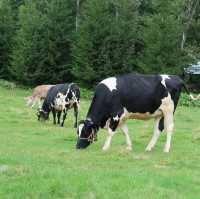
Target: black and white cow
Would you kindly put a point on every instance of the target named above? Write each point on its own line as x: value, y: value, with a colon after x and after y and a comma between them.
x: 61, y: 98
x: 132, y: 96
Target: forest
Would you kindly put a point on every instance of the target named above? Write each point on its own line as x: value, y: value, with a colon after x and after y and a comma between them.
x: 85, y: 41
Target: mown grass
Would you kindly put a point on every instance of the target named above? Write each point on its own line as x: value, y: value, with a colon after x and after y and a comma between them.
x: 39, y: 160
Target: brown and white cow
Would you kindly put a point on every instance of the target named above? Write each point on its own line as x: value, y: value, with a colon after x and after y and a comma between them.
x: 39, y: 94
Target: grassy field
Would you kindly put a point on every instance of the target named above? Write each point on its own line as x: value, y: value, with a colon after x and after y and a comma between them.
x: 39, y: 160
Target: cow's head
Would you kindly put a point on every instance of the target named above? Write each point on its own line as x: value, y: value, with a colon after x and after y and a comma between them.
x: 42, y: 115
x: 29, y: 100
x: 87, y: 134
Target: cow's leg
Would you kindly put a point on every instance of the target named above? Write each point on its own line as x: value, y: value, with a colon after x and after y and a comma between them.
x: 169, y: 121
x: 75, y: 115
x: 39, y: 117
x: 112, y: 126
x: 58, y: 116
x: 161, y: 124
x: 169, y: 125
x: 33, y: 102
x: 54, y: 115
x: 128, y: 140
x: 39, y: 103
x: 64, y: 117
x: 156, y: 134
x: 107, y: 143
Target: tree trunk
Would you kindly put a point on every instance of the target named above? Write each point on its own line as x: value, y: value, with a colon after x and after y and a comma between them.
x: 191, y: 12
x: 77, y: 13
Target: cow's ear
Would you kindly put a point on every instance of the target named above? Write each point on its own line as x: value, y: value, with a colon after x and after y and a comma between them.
x: 39, y: 109
x: 93, y: 126
x: 96, y: 128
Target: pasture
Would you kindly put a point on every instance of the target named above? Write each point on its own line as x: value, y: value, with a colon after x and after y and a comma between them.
x: 39, y: 160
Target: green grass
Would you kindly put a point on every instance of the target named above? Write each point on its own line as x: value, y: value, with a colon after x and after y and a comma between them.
x: 39, y: 160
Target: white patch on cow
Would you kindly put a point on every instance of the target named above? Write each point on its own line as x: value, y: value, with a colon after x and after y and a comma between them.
x: 111, y: 83
x: 167, y: 108
x: 60, y: 101
x: 80, y: 129
x: 107, y: 124
x: 74, y: 100
x: 116, y: 118
x: 167, y: 104
x: 164, y: 77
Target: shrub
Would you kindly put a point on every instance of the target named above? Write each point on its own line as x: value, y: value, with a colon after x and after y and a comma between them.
x: 185, y: 100
x: 7, y: 84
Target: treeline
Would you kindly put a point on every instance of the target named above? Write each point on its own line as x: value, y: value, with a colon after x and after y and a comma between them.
x: 52, y: 41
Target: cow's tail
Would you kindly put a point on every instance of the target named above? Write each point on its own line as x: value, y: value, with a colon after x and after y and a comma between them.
x: 188, y: 92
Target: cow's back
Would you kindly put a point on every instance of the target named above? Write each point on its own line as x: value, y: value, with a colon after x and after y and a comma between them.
x: 41, y: 91
x: 139, y: 93
x: 52, y: 92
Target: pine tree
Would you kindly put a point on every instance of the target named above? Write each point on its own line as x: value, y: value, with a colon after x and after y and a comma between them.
x: 106, y: 40
x: 161, y: 35
x: 30, y: 44
x: 7, y: 31
x: 42, y: 52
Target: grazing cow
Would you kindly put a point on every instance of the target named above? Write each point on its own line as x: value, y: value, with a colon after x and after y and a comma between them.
x: 39, y: 94
x: 61, y: 98
x: 132, y: 96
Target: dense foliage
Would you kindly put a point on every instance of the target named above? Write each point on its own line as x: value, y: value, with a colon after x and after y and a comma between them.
x: 54, y: 41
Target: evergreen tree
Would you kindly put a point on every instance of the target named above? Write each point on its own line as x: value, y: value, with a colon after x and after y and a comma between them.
x: 52, y: 41
x: 43, y: 42
x: 30, y: 45
x: 161, y: 36
x: 61, y: 28
x: 106, y: 40
x: 7, y: 31
x: 192, y: 39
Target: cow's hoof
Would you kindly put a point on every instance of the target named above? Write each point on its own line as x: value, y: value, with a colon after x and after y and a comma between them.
x: 166, y: 150
x: 148, y: 149
x: 105, y: 148
x: 129, y: 148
